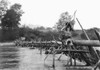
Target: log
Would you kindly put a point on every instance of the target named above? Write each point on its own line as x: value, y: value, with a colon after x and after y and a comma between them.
x: 93, y: 43
x: 76, y: 51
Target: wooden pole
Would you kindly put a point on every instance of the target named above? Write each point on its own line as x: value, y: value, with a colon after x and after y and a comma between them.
x: 70, y: 55
x: 75, y: 62
x: 40, y: 48
x: 97, y: 34
x: 53, y: 58
x: 83, y: 29
x: 70, y: 60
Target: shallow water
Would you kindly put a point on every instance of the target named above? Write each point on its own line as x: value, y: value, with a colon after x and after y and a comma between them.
x: 17, y: 58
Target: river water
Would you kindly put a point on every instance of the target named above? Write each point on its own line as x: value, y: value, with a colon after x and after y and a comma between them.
x: 22, y: 58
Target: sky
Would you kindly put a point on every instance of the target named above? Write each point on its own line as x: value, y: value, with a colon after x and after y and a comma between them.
x: 47, y: 12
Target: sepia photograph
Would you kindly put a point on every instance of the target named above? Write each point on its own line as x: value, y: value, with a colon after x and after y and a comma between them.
x: 49, y: 35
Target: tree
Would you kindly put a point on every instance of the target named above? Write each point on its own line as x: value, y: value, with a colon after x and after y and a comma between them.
x: 11, y: 21
x: 3, y: 8
x: 12, y: 17
x: 40, y: 28
x: 64, y: 18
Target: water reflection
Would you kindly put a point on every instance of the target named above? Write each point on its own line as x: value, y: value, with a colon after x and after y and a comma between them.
x: 19, y: 58
x: 9, y: 57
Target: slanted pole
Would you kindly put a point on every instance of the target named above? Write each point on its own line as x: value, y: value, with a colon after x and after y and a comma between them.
x: 83, y: 29
x: 87, y: 38
x: 60, y: 56
x: 98, y: 35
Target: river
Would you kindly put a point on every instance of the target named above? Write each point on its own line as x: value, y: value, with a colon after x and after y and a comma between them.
x: 23, y: 58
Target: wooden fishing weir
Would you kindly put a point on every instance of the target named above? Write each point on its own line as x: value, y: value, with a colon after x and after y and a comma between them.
x: 82, y: 50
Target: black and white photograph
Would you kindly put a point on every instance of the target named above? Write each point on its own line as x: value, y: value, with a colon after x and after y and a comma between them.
x: 49, y: 35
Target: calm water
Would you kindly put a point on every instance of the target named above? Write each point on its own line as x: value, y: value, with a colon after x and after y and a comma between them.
x: 16, y: 58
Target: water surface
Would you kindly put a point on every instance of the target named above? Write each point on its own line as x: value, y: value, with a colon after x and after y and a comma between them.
x: 22, y: 58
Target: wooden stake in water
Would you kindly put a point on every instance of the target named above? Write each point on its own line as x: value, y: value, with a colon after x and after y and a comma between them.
x: 40, y: 51
x: 40, y: 48
x: 53, y: 58
x: 60, y: 56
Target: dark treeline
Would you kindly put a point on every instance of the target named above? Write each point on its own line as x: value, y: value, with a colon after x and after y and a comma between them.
x: 44, y: 34
x: 10, y: 17
x: 29, y: 34
x: 38, y: 33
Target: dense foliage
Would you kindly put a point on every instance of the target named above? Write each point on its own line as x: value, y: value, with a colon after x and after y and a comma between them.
x: 64, y: 18
x: 38, y: 33
x: 10, y: 22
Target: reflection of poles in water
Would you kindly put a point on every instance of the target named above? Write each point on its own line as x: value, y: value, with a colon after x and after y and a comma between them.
x: 40, y: 50
x: 40, y: 47
x: 9, y: 56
